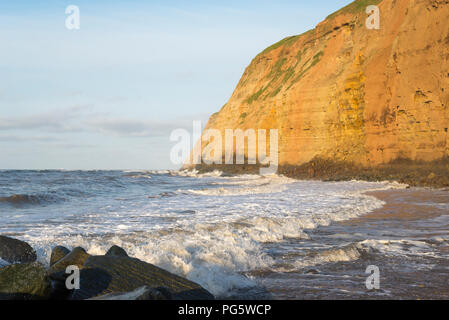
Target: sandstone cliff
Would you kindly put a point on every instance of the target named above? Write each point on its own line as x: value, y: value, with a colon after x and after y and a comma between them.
x: 342, y: 92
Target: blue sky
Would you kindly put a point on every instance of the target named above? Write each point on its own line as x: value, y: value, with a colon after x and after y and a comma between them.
x: 108, y: 95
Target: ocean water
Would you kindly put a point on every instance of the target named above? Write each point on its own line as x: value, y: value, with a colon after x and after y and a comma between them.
x: 238, y: 236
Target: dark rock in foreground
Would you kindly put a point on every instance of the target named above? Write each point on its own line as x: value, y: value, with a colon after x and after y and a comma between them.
x: 115, y: 276
x: 16, y: 251
x: 58, y: 253
x: 143, y: 293
x: 24, y: 282
x: 104, y: 275
x: 75, y: 258
x: 57, y: 272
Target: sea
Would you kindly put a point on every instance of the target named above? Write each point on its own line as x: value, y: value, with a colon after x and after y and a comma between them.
x: 242, y: 237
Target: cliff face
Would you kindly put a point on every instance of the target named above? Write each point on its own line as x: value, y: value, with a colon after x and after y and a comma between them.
x: 347, y: 93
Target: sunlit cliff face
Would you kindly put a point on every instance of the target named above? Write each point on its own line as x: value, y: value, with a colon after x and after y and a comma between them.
x: 346, y: 92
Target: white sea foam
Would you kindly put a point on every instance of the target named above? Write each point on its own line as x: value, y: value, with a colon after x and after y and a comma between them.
x: 244, y: 186
x: 136, y: 176
x: 345, y: 253
x: 195, y: 173
x: 404, y: 247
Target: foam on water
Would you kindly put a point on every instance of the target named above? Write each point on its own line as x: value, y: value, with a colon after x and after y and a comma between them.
x: 405, y: 249
x: 247, y: 185
x: 194, y: 173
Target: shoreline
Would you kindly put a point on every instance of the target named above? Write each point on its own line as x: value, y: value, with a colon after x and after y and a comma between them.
x: 433, y: 174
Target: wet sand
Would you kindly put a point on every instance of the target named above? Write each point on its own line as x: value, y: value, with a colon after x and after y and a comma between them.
x: 410, y: 204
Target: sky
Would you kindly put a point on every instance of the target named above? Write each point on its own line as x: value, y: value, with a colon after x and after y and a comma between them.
x: 108, y: 95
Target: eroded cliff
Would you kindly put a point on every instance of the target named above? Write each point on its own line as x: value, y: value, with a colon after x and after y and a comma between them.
x: 343, y: 92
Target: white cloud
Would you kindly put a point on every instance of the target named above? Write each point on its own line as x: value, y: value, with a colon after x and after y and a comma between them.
x: 18, y: 138
x: 83, y: 119
x: 52, y: 121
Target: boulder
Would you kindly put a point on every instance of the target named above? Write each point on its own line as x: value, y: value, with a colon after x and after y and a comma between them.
x: 143, y: 293
x: 75, y: 258
x: 104, y: 275
x: 24, y: 282
x: 57, y: 272
x: 117, y: 251
x: 58, y: 253
x: 16, y: 251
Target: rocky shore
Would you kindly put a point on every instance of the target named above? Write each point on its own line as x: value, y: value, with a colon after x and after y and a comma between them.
x: 434, y: 174
x: 114, y: 276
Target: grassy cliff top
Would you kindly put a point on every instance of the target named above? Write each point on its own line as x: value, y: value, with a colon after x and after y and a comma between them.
x: 354, y: 7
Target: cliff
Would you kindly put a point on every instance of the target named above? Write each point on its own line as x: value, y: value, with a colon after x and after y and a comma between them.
x: 344, y: 93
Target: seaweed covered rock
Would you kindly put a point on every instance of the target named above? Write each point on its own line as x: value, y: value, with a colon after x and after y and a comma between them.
x: 104, y: 275
x: 57, y: 272
x: 75, y: 258
x: 24, y: 282
x: 117, y: 251
x: 16, y: 251
x: 58, y: 253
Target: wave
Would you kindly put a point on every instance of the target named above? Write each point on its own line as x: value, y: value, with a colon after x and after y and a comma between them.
x: 174, y: 173
x: 346, y: 253
x: 364, y: 249
x: 222, y: 258
x: 243, y: 186
x: 163, y: 195
x: 137, y: 176
x: 196, y: 174
x: 400, y: 248
x: 27, y: 199
x: 215, y: 255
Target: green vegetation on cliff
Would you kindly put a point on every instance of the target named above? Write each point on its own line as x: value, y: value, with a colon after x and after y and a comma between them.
x: 354, y: 7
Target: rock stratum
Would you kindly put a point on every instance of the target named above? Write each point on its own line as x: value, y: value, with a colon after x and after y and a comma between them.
x: 347, y: 94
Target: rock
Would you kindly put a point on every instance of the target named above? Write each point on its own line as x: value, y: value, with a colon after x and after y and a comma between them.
x: 75, y: 258
x: 117, y: 251
x: 24, y: 282
x: 57, y: 254
x: 143, y: 293
x: 57, y: 272
x: 103, y: 275
x: 16, y: 251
